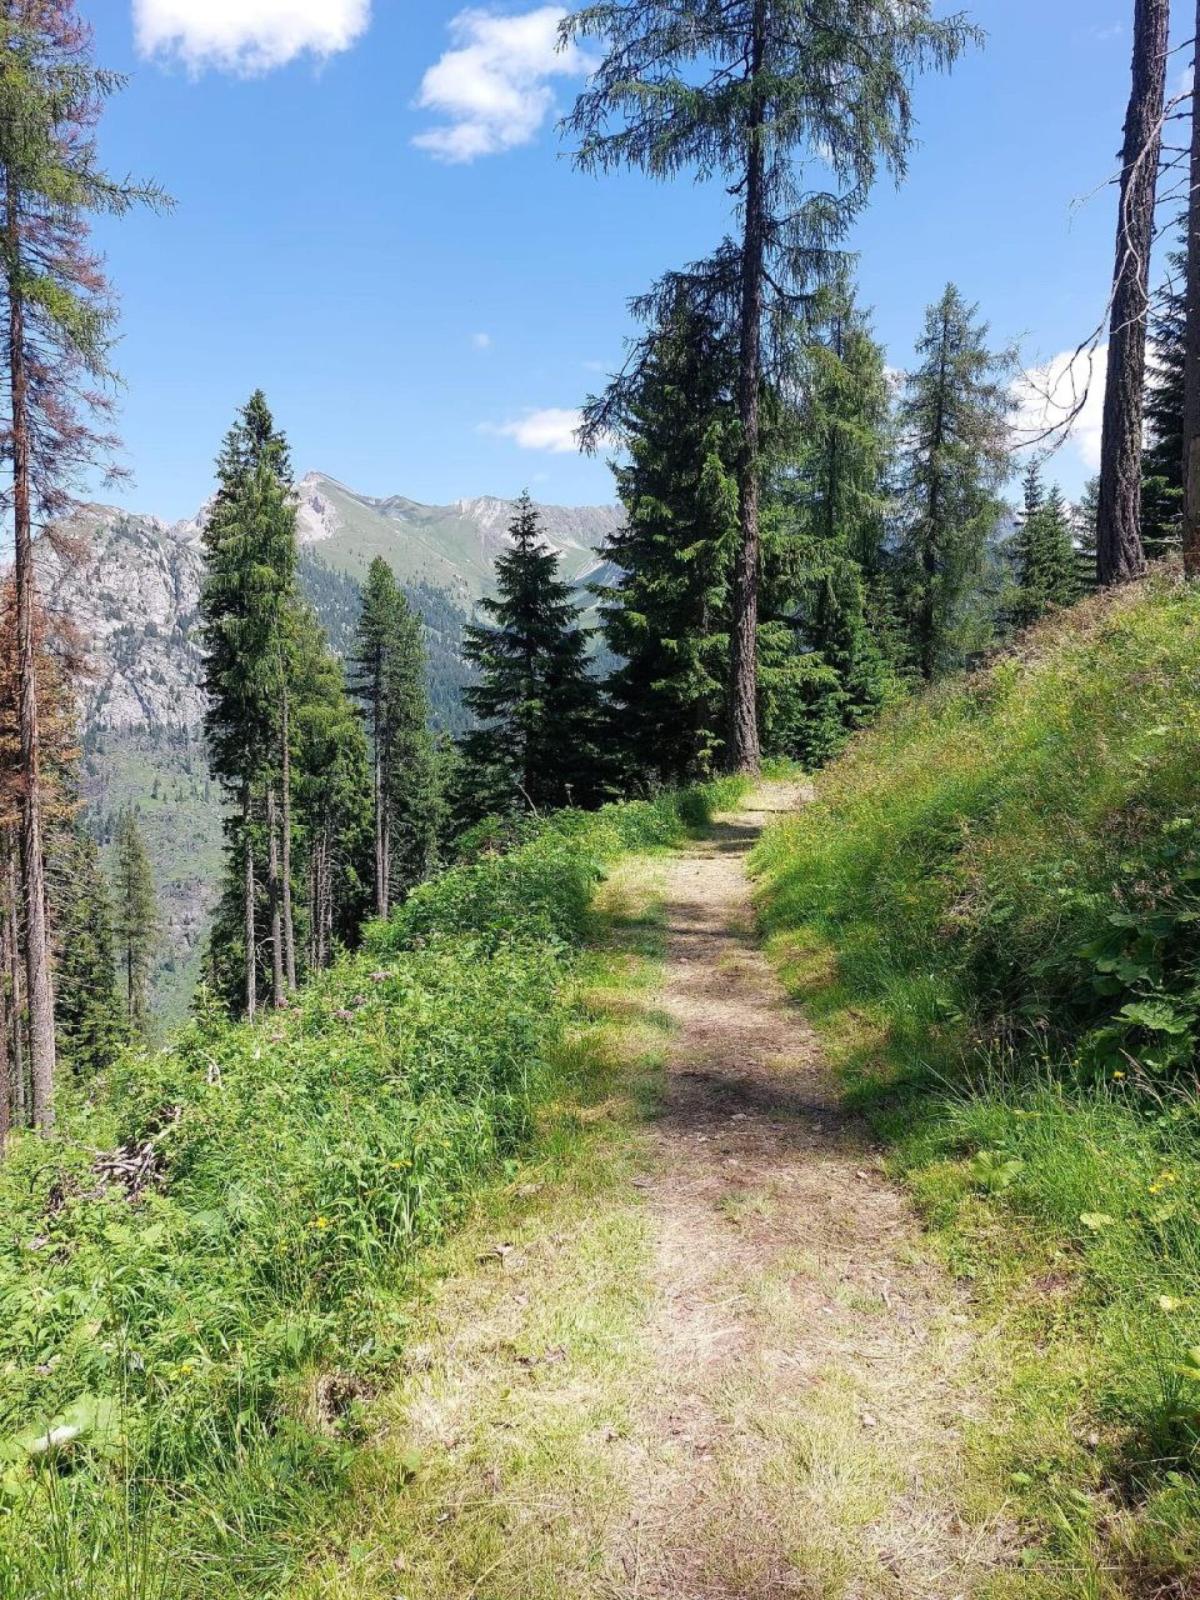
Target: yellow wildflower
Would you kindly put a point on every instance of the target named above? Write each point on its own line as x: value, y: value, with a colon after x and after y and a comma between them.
x: 321, y: 1223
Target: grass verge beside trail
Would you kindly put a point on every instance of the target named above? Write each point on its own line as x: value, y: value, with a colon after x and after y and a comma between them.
x: 215, y: 1259
x: 496, y: 1463
x: 992, y: 913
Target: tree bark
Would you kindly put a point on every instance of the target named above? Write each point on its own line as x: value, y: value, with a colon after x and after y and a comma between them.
x: 1191, y: 405
x: 33, y: 861
x: 277, y: 997
x: 745, y: 754
x: 248, y: 907
x: 17, y: 1002
x: 1120, y: 556
x: 289, y: 929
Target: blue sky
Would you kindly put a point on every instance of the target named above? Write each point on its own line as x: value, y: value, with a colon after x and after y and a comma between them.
x: 377, y: 223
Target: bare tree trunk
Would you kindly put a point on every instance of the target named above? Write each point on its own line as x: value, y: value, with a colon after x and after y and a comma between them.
x: 33, y: 860
x: 274, y: 899
x: 1120, y: 556
x: 289, y: 930
x: 1191, y: 405
x: 16, y: 999
x: 251, y: 936
x: 744, y: 751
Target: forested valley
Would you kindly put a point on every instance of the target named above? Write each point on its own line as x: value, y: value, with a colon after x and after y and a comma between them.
x: 688, y: 1086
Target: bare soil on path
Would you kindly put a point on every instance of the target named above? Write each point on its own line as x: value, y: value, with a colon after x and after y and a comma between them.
x: 806, y: 1436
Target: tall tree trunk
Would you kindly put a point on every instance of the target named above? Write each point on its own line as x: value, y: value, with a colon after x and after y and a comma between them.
x: 251, y: 936
x: 382, y: 806
x: 33, y: 860
x: 745, y: 754
x: 7, y: 1088
x: 277, y: 998
x: 1120, y: 556
x: 17, y: 1000
x: 289, y: 930
x: 1191, y: 405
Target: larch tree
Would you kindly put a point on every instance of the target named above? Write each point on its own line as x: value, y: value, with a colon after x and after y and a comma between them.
x: 536, y: 701
x: 1120, y: 553
x: 954, y: 427
x: 764, y: 94
x: 58, y: 320
x: 135, y: 919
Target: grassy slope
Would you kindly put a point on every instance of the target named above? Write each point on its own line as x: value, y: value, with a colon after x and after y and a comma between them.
x: 991, y: 912
x: 203, y: 1343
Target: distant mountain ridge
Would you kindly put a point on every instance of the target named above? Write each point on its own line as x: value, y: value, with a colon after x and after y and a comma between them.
x: 135, y: 588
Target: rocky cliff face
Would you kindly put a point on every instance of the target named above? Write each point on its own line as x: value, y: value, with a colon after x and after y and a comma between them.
x: 135, y: 588
x: 134, y: 592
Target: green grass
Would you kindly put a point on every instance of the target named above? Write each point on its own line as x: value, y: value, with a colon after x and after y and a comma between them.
x: 180, y: 1362
x: 992, y: 913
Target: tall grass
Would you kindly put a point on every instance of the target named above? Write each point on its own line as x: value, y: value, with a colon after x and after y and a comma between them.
x: 994, y: 909
x: 184, y: 1353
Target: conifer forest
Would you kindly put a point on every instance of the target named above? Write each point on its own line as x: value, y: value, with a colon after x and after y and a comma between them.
x: 644, y: 1051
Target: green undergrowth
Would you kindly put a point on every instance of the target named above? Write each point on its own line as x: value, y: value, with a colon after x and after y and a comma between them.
x: 212, y: 1260
x: 993, y: 913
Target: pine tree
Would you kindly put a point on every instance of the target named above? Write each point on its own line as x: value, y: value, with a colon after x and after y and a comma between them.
x: 135, y: 921
x: 1162, y: 458
x: 249, y: 605
x: 58, y: 320
x: 666, y: 615
x: 752, y: 90
x: 1045, y: 569
x: 954, y: 425
x: 536, y: 701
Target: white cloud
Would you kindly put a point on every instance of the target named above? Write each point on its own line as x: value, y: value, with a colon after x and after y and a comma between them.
x: 492, y: 87
x: 247, y: 36
x: 1047, y: 398
x: 481, y: 341
x: 553, y: 429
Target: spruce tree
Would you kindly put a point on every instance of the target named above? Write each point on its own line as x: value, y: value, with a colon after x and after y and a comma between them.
x: 91, y: 1026
x: 135, y: 921
x: 535, y: 699
x: 333, y: 796
x: 1162, y: 458
x: 390, y: 681
x: 832, y: 501
x: 665, y: 616
x: 953, y: 423
x: 248, y: 605
x: 1045, y: 568
x: 755, y: 91
x: 1086, y: 516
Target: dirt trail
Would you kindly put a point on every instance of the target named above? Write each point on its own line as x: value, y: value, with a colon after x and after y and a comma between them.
x: 804, y: 1438
x: 723, y: 1370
